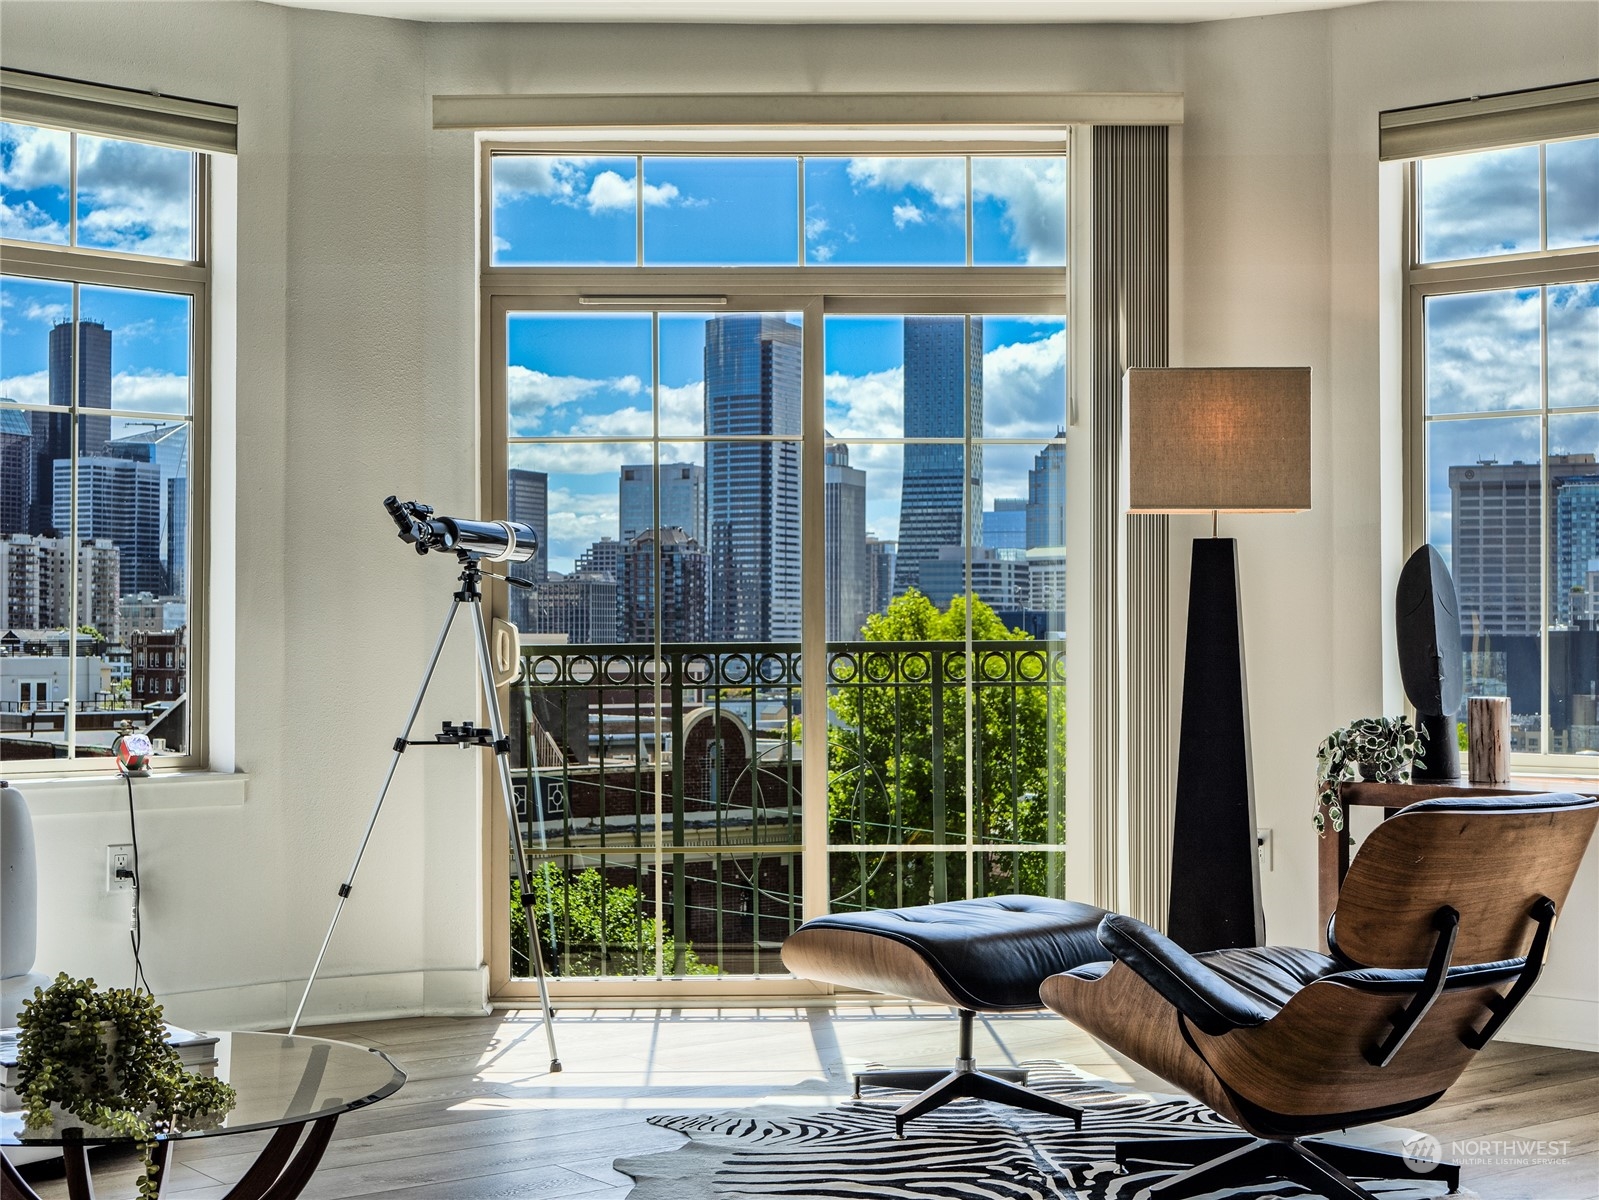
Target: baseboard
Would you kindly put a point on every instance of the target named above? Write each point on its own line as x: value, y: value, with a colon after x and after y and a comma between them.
x: 1561, y: 1021
x: 459, y: 992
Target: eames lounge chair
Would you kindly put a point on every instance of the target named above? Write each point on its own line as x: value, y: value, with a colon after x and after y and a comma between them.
x: 1440, y: 931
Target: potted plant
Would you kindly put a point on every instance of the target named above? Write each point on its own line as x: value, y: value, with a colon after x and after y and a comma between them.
x: 102, y: 1057
x: 1378, y: 749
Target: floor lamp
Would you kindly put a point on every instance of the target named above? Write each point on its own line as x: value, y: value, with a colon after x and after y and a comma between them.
x: 1213, y: 440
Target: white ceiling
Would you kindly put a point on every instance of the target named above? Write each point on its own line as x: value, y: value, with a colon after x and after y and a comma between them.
x: 790, y: 12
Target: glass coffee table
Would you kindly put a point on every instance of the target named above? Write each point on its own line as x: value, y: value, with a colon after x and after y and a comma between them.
x: 284, y: 1084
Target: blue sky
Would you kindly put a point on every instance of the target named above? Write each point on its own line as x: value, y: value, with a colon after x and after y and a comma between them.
x: 699, y: 211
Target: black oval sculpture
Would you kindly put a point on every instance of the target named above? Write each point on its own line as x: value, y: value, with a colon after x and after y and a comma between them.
x: 1428, y: 621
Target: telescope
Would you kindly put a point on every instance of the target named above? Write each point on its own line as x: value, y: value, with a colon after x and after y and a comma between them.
x: 494, y: 541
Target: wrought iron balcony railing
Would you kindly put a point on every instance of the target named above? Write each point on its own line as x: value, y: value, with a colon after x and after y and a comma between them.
x: 663, y: 794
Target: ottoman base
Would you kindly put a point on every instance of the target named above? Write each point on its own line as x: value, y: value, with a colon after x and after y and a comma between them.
x: 964, y: 1082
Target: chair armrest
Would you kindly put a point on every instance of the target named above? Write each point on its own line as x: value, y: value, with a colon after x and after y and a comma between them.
x: 1199, y: 993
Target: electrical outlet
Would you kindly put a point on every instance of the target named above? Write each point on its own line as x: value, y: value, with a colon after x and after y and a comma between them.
x: 119, y: 868
x: 1265, y: 846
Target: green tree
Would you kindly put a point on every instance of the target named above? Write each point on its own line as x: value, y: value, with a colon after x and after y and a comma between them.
x: 897, y: 755
x: 590, y: 927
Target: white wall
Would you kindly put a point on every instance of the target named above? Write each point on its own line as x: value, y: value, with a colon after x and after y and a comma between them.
x: 357, y: 369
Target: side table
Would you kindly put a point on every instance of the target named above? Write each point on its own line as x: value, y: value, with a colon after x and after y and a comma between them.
x: 284, y: 1084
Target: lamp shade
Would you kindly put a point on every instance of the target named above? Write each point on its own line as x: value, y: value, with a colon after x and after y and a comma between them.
x: 1216, y: 439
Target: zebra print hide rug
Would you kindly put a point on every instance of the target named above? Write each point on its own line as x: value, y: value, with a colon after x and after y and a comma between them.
x: 968, y: 1150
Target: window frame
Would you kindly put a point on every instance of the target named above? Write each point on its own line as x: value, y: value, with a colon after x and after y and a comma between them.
x: 815, y: 292
x: 1425, y: 280
x: 78, y: 267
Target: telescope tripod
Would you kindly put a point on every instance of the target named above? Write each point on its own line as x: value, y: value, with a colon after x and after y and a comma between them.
x: 494, y: 737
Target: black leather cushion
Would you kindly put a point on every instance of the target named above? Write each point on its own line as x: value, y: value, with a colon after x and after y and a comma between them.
x: 1271, y: 975
x: 1408, y: 979
x: 993, y: 952
x: 1202, y: 994
x: 1497, y: 803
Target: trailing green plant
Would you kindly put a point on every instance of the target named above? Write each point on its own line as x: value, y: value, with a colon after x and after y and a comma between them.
x: 1381, y: 749
x: 103, y: 1057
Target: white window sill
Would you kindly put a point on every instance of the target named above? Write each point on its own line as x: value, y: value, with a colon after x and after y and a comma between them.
x: 106, y: 792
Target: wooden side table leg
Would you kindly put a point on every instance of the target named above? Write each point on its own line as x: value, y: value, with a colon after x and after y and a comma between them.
x: 75, y: 1157
x: 1332, y: 863
x: 274, y: 1176
x: 12, y: 1185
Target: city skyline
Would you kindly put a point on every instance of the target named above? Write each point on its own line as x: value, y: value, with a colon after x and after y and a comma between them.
x: 754, y: 394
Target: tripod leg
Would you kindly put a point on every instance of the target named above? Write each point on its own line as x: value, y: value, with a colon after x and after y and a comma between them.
x: 399, y: 749
x: 502, y: 762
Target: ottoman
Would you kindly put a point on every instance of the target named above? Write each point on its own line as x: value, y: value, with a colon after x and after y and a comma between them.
x: 985, y: 955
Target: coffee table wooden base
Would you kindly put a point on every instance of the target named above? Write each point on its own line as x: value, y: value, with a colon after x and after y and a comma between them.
x: 280, y: 1172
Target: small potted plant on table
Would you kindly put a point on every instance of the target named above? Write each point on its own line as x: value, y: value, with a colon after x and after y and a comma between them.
x: 102, y: 1057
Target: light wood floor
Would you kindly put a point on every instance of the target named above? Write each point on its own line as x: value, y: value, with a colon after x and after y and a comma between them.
x: 480, y: 1117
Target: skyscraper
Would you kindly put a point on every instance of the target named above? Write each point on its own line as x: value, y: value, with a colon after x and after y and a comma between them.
x: 941, y: 497
x: 1046, y: 497
x: 178, y: 536
x: 527, y: 499
x: 1005, y: 525
x: 1495, y: 559
x: 1576, y: 546
x: 752, y: 387
x: 848, y: 585
x: 880, y: 556
x: 684, y: 574
x: 52, y: 431
x: 682, y: 489
x: 16, y: 468
x: 167, y: 446
x: 120, y: 499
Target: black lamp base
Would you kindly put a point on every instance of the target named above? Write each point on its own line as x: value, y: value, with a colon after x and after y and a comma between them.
x: 1215, y: 869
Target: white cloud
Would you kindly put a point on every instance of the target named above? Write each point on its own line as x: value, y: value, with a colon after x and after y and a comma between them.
x: 609, y: 193
x: 943, y: 179
x: 1032, y: 196
x: 135, y: 198
x: 33, y: 388
x: 871, y: 405
x: 34, y: 158
x: 683, y: 408
x: 1482, y: 351
x: 578, y: 519
x: 1476, y: 204
x: 1573, y: 344
x: 45, y: 314
x: 518, y: 175
x: 28, y: 222
x: 534, y: 395
x: 1024, y: 388
x: 661, y: 195
x: 150, y: 391
x: 145, y: 391
x: 908, y: 214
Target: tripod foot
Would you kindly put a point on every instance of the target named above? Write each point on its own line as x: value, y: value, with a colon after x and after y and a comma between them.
x: 555, y: 1066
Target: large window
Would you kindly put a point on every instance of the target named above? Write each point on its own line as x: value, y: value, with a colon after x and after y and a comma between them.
x: 103, y: 307
x: 1504, y: 390
x: 793, y: 430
